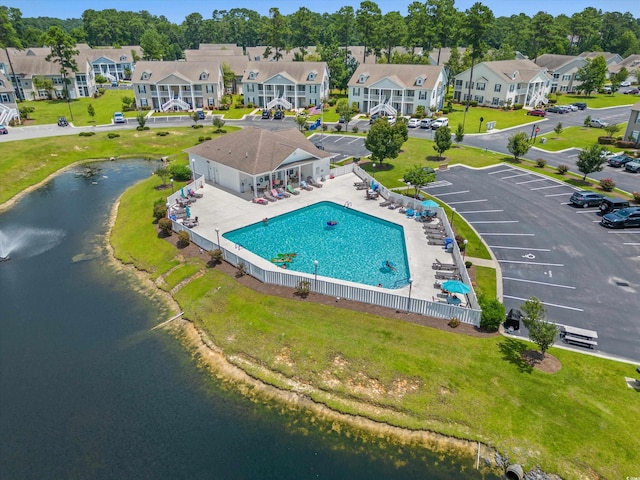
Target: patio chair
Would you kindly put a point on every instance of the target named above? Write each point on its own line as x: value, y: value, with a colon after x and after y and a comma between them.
x: 386, y: 203
x: 311, y: 181
x: 269, y: 197
x: 436, y: 241
x: 292, y: 190
x: 260, y: 200
x: 304, y: 186
x: 283, y: 192
x: 395, y: 205
x: 410, y: 213
x: 277, y: 195
x: 194, y: 194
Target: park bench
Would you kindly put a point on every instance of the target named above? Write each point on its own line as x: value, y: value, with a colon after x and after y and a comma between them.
x: 579, y: 336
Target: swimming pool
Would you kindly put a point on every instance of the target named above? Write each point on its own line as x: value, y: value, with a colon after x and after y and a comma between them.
x: 355, y: 249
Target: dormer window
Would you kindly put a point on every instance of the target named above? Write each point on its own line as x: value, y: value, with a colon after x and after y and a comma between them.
x: 204, y: 75
x: 146, y: 75
x: 515, y: 74
x: 420, y: 81
x: 363, y: 78
x: 312, y: 76
x: 253, y: 75
x: 123, y: 58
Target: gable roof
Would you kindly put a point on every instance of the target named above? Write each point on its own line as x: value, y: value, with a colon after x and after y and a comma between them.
x: 238, y: 64
x: 256, y: 54
x: 554, y: 62
x: 516, y: 70
x: 401, y: 74
x: 190, y: 71
x: 256, y: 150
x: 298, y: 72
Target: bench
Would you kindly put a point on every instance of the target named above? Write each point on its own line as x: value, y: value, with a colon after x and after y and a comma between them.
x: 579, y: 336
x: 579, y: 341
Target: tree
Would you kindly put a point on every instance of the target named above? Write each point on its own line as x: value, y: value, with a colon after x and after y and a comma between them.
x: 590, y: 160
x: 228, y: 75
x: 91, y: 111
x: 459, y: 133
x: 301, y: 120
x: 541, y: 332
x: 445, y: 21
x: 592, y: 75
x: 454, y: 65
x: 142, y: 120
x: 617, y: 78
x: 62, y: 52
x: 218, y: 123
x: 343, y: 22
x: 384, y: 140
x: 612, y: 129
x: 195, y: 117
x: 163, y: 172
x: 493, y: 313
x: 418, y: 27
x: 9, y: 38
x: 368, y: 16
x: 418, y: 177
x: 276, y: 30
x: 153, y: 45
x: 558, y: 128
x: 518, y: 145
x: 345, y: 111
x: 442, y: 140
x: 392, y: 31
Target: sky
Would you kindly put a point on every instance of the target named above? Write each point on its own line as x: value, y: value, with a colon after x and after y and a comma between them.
x: 175, y: 11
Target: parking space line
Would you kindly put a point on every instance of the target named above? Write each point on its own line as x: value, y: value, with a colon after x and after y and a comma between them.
x: 354, y: 140
x: 557, y: 194
x: 522, y: 248
x: 550, y: 186
x: 622, y: 233
x: 480, y: 211
x: 531, y: 181
x: 539, y: 283
x: 514, y: 176
x: 547, y: 304
x: 338, y: 139
x: 439, y: 183
x: 502, y: 171
x: 565, y: 203
x: 533, y: 263
x: 586, y: 211
x: 452, y: 193
x: 468, y: 201
x: 510, y: 234
x: 495, y: 221
x: 631, y: 243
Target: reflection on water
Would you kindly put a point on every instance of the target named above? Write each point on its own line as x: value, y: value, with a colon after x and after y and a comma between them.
x: 88, y: 390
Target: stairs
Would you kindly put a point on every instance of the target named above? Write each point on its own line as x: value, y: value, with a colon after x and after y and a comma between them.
x: 7, y: 114
x: 281, y: 101
x: 383, y: 107
x: 175, y: 102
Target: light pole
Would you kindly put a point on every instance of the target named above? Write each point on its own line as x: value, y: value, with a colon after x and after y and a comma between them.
x: 409, y: 187
x: 193, y: 168
x: 172, y: 190
x: 464, y: 252
x: 315, y: 274
x: 409, y: 299
x: 374, y: 170
x: 218, y: 235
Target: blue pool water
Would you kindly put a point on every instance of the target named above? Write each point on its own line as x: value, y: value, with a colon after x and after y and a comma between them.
x: 355, y: 249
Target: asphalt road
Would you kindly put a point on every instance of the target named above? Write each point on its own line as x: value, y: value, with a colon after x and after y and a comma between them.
x: 584, y: 273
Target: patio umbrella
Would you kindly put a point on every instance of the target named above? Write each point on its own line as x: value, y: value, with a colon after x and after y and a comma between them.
x: 182, y: 191
x: 188, y: 211
x: 430, y: 203
x: 455, y: 286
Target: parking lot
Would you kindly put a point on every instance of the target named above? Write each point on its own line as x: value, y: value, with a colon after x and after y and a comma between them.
x: 585, y: 274
x: 343, y: 145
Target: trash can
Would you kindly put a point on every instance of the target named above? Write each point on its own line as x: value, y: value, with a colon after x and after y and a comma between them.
x: 448, y: 244
x: 513, y: 319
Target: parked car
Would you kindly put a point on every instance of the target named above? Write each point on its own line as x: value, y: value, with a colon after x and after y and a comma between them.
x: 3, y: 130
x: 606, y: 89
x: 279, y: 115
x: 373, y: 118
x: 619, y: 161
x: 201, y: 115
x: 632, y: 91
x: 537, y: 113
x: 266, y: 114
x: 554, y: 109
x: 439, y: 122
x: 633, y: 166
x: 580, y: 105
x: 62, y: 122
x: 627, y: 217
x: 585, y: 198
x: 611, y: 204
x: 118, y: 117
x: 426, y: 123
x: 391, y: 119
x: 341, y: 120
x: 597, y: 123
x: 626, y: 83
x: 114, y: 84
x: 413, y: 123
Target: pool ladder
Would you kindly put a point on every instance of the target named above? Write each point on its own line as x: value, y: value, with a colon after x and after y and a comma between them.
x: 347, y: 204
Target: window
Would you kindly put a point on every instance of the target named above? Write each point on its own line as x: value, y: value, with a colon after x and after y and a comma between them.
x: 479, y: 98
x: 556, y: 76
x: 312, y: 76
x: 362, y: 78
x: 466, y: 85
x: 566, y: 78
x: 356, y: 91
x: 512, y: 87
x: 458, y: 83
x: 146, y: 75
x: 495, y: 101
x: 4, y: 98
x: 252, y: 75
x: 144, y: 102
x: 204, y: 75
x: 410, y: 93
x: 497, y: 87
x: 422, y: 95
x: 209, y: 88
x: 142, y: 89
x: 480, y: 86
x: 210, y: 102
x: 419, y: 81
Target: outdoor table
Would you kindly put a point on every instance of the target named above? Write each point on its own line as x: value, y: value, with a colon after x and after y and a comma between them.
x: 454, y: 301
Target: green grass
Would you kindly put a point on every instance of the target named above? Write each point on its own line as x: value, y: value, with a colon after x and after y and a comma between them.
x: 504, y: 119
x: 578, y: 137
x: 234, y: 113
x: 467, y: 387
x: 599, y: 100
x: 486, y: 282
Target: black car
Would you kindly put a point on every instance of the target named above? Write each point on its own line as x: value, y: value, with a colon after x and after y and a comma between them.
x: 627, y: 217
x: 373, y: 118
x: 62, y: 121
x: 554, y: 109
x: 586, y: 199
x: 266, y: 114
x: 279, y: 115
x: 611, y: 204
x: 619, y: 161
x: 341, y: 120
x: 3, y: 130
x: 580, y: 105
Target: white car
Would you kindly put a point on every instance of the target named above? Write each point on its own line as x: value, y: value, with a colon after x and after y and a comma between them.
x: 573, y: 108
x: 391, y: 119
x: 118, y: 117
x: 413, y: 123
x: 597, y: 123
x: 439, y: 122
x: 626, y: 83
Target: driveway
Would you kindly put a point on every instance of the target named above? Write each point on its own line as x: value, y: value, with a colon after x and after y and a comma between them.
x: 586, y: 275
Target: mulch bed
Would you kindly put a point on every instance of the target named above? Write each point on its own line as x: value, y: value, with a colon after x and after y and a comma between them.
x: 193, y: 250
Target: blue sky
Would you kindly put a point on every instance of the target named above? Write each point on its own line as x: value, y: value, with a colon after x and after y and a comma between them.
x: 175, y: 11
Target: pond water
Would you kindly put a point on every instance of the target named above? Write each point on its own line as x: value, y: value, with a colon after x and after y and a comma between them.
x: 88, y: 391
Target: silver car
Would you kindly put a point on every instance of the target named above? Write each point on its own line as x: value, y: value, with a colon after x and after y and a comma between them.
x: 597, y: 123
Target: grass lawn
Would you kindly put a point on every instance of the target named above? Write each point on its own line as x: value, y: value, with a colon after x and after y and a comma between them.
x: 578, y: 137
x: 234, y: 113
x: 572, y: 422
x: 504, y: 119
x: 599, y: 100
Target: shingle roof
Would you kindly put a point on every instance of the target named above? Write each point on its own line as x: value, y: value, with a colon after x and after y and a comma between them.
x: 296, y: 71
x: 287, y: 56
x: 524, y: 70
x: 237, y: 63
x: 256, y: 150
x: 553, y: 62
x: 403, y: 75
x: 190, y: 71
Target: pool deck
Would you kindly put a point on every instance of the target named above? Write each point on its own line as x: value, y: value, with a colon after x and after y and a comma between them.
x: 229, y: 211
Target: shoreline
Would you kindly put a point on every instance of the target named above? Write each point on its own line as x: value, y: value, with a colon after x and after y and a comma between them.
x: 218, y: 364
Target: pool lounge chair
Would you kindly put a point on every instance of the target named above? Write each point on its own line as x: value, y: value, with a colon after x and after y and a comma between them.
x: 283, y: 192
x: 277, y: 195
x: 260, y: 200
x: 311, y: 181
x: 304, y: 186
x: 386, y: 203
x: 292, y: 190
x: 194, y: 194
x: 269, y: 197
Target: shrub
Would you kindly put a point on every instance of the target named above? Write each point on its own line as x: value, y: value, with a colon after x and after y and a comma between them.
x: 303, y: 288
x: 562, y: 168
x: 587, y: 121
x: 113, y: 135
x: 355, y: 129
x: 454, y: 322
x: 607, y: 184
x: 605, y: 140
x: 180, y: 173
x: 162, y: 134
x: 636, y: 197
x: 87, y: 134
x: 473, y: 103
x: 216, y: 256
x: 197, y: 126
x: 625, y: 144
x: 165, y: 225
x: 324, y: 127
x: 159, y: 211
x: 141, y: 128
x: 468, y: 264
x: 183, y: 238
x: 337, y: 128
x: 493, y: 313
x: 518, y: 106
x: 242, y: 269
x: 541, y: 163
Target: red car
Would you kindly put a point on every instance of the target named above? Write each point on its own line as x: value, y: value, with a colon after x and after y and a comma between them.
x: 537, y: 113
